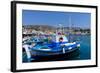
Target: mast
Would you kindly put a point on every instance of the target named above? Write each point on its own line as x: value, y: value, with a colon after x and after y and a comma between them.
x: 69, y: 28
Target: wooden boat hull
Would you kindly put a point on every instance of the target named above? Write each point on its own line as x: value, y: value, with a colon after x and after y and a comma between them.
x: 57, y: 56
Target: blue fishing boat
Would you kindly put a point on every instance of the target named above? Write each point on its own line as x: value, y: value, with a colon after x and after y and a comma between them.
x: 50, y: 46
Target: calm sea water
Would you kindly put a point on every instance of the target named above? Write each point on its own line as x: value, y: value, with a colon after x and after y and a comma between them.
x: 85, y: 48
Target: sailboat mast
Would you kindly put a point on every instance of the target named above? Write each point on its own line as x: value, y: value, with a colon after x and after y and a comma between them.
x: 69, y: 28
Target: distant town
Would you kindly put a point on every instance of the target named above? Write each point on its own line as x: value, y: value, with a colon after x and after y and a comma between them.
x: 47, y: 29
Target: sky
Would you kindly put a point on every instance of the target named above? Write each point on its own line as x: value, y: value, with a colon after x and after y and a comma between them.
x: 53, y: 18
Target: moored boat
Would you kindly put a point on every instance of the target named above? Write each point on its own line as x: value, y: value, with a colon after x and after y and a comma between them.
x: 52, y: 46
